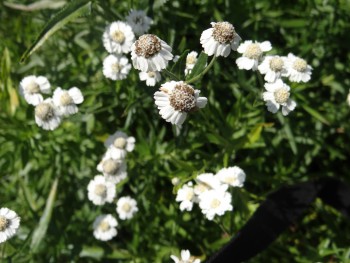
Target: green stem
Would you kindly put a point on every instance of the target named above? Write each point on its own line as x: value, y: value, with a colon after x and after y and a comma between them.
x: 171, y: 75
x: 200, y: 75
x: 260, y: 79
x: 3, y: 252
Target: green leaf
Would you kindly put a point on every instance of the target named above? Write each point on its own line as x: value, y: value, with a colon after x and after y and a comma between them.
x: 199, y: 66
x: 44, y: 4
x: 179, y: 67
x: 72, y: 10
x: 315, y: 114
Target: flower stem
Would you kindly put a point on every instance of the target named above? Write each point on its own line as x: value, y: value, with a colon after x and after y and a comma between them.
x: 3, y: 252
x: 261, y: 80
x: 171, y: 75
x: 203, y: 72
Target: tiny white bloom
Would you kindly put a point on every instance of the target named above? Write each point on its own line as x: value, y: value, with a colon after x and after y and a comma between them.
x: 205, y: 182
x: 186, y: 196
x: 100, y: 190
x: 118, y: 37
x: 47, y: 115
x: 298, y: 69
x: 185, y: 258
x: 276, y: 96
x: 176, y: 58
x: 176, y: 99
x: 252, y: 54
x: 139, y: 21
x: 116, y: 67
x: 273, y: 67
x: 9, y: 223
x: 114, y: 169
x: 233, y: 176
x: 220, y: 39
x: 105, y: 227
x: 126, y: 207
x: 215, y: 202
x: 175, y: 181
x: 150, y: 53
x: 66, y: 100
x: 191, y: 60
x: 119, y: 144
x: 348, y: 98
x: 151, y: 77
x: 30, y: 88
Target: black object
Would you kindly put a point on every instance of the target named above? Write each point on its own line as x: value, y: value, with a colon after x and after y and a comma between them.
x: 280, y: 209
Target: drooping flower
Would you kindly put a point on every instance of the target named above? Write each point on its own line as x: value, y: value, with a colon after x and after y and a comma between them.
x: 298, y: 69
x: 139, y: 21
x: 9, y: 223
x: 114, y: 169
x: 150, y: 53
x: 116, y: 67
x: 66, y: 100
x: 185, y: 195
x: 251, y: 54
x: 101, y: 191
x: 151, y: 77
x: 176, y: 99
x: 119, y: 144
x: 220, y: 39
x: 47, y: 115
x: 185, y: 258
x: 126, y: 207
x: 118, y: 37
x: 105, y: 227
x: 276, y: 96
x: 31, y: 88
x: 191, y: 60
x: 273, y: 67
x: 233, y: 176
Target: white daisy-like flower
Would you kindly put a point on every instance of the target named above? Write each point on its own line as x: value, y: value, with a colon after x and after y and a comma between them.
x: 252, y: 54
x: 220, y: 39
x: 105, y: 227
x: 9, y: 223
x: 176, y: 99
x: 215, y: 202
x: 119, y: 144
x: 118, y: 37
x: 100, y: 190
x: 126, y: 207
x: 277, y: 95
x: 150, y: 53
x: 116, y: 67
x: 114, y: 169
x: 66, y: 100
x: 151, y: 77
x: 205, y: 182
x: 191, y: 60
x: 139, y: 21
x: 47, y: 115
x: 233, y: 176
x: 185, y: 258
x: 273, y: 67
x: 31, y: 88
x: 298, y: 69
x: 186, y: 196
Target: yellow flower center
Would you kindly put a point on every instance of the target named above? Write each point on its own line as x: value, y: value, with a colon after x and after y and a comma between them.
x: 116, y: 67
x: 4, y: 222
x: 281, y: 95
x: 253, y: 51
x: 120, y: 143
x: 126, y: 207
x: 223, y: 32
x: 147, y: 45
x: 44, y: 111
x: 151, y: 74
x: 100, y: 190
x: 189, y: 195
x: 276, y: 64
x: 32, y: 87
x: 300, y: 65
x: 118, y: 36
x: 65, y: 98
x: 104, y: 226
x: 215, y: 203
x: 182, y: 98
x: 191, y: 59
x: 110, y: 166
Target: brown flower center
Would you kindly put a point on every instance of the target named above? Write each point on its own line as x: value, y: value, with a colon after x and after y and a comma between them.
x: 276, y: 64
x: 44, y: 111
x: 182, y: 98
x: 253, y: 51
x: 223, y: 32
x: 110, y: 166
x: 147, y: 45
x: 65, y: 98
x: 118, y: 36
x: 300, y: 65
x: 281, y: 95
x: 4, y: 222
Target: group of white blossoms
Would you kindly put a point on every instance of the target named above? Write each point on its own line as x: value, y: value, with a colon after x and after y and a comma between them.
x: 102, y: 189
x: 50, y: 111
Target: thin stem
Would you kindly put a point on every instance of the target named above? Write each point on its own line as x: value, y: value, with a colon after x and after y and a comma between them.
x: 203, y: 72
x: 3, y: 252
x: 170, y: 74
x: 260, y: 79
x: 223, y: 228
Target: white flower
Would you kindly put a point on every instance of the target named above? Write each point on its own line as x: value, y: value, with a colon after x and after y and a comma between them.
x: 9, y: 223
x: 205, y: 182
x: 185, y: 258
x: 191, y: 60
x: 176, y: 99
x: 139, y: 21
x: 215, y: 202
x: 298, y: 69
x: 348, y: 98
x: 151, y: 77
x: 66, y: 100
x: 233, y: 176
x: 176, y: 58
x: 126, y: 207
x: 119, y: 144
x: 175, y: 181
x: 150, y: 53
x: 186, y: 196
x: 220, y: 39
x: 47, y: 115
x: 118, y: 37
x: 116, y: 67
x: 273, y: 67
x: 114, y: 169
x: 105, y: 227
x: 277, y: 95
x: 252, y: 53
x: 101, y: 191
x: 31, y: 86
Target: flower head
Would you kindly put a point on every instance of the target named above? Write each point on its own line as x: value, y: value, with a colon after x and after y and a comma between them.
x: 151, y: 77
x: 118, y: 37
x: 101, y: 191
x: 114, y: 169
x: 116, y: 67
x: 252, y: 54
x: 139, y: 21
x: 126, y: 207
x: 176, y: 99
x: 119, y: 144
x: 105, y: 227
x: 185, y: 258
x: 273, y: 67
x: 150, y: 53
x: 186, y: 196
x: 31, y: 88
x: 298, y: 69
x: 191, y: 60
x: 9, y: 223
x: 205, y: 182
x: 47, y: 115
x: 220, y: 39
x: 233, y: 176
x: 66, y: 100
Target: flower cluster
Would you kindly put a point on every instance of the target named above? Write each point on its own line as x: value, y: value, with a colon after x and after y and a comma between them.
x: 102, y: 188
x: 210, y: 191
x: 50, y: 111
x: 9, y: 223
x: 185, y: 258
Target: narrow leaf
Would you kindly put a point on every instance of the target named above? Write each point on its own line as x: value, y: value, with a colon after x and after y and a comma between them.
x: 315, y: 114
x: 44, y: 4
